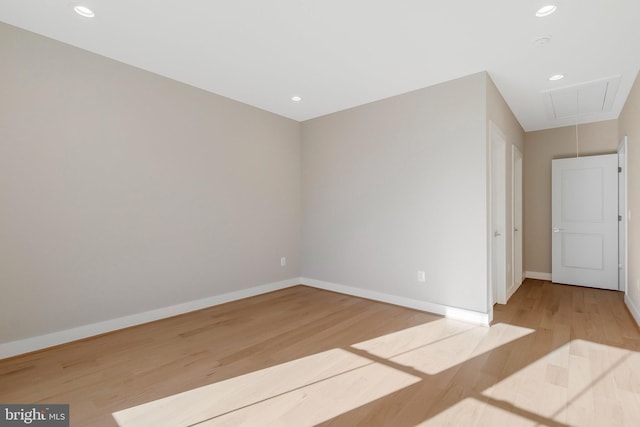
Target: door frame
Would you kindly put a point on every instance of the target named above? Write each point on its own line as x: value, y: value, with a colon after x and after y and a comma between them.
x: 623, y: 257
x: 518, y: 223
x: 497, y: 216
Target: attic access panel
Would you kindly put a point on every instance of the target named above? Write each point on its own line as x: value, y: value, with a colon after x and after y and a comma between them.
x: 582, y: 100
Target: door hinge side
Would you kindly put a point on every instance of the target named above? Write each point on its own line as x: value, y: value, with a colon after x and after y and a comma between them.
x: 619, y: 169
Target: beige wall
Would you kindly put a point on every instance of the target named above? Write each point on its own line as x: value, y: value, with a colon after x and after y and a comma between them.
x: 540, y: 148
x: 501, y: 115
x: 123, y: 191
x: 629, y: 125
x: 388, y: 189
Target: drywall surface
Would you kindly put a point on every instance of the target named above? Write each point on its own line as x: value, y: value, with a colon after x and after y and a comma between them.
x: 123, y: 191
x: 501, y: 115
x: 398, y: 186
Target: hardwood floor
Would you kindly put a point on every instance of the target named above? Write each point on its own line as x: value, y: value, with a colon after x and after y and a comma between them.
x: 555, y: 356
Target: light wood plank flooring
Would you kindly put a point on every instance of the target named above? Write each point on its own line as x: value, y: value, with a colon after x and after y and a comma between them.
x: 555, y: 356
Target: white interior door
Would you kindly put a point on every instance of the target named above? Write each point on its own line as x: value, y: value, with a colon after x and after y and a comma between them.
x: 585, y: 221
x: 517, y: 219
x: 498, y: 216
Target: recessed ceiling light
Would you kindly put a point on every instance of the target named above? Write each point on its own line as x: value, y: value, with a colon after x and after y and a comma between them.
x: 546, y: 10
x: 556, y: 77
x: 296, y: 98
x: 84, y: 11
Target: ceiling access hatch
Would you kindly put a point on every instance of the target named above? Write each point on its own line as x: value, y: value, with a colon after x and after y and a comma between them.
x: 582, y: 101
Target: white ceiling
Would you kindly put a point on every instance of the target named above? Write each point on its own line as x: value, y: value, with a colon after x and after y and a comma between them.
x: 338, y: 54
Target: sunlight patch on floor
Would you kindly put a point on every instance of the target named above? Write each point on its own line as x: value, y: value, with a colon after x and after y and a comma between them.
x: 416, y: 337
x: 599, y: 382
x: 604, y: 382
x: 319, y: 387
x: 435, y: 347
x: 307, y: 390
x: 485, y: 376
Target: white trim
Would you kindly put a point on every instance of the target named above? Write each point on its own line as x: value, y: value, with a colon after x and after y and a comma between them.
x: 623, y: 227
x: 516, y: 159
x: 28, y: 345
x: 536, y: 275
x: 632, y: 309
x: 512, y: 290
x: 446, y: 311
x: 498, y: 279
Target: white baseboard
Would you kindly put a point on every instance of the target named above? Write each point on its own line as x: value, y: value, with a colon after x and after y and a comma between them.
x: 449, y: 312
x: 28, y: 345
x: 635, y: 312
x: 512, y: 290
x: 14, y: 348
x: 538, y: 276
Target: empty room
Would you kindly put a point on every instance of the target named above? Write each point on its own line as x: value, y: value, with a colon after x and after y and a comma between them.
x: 303, y: 213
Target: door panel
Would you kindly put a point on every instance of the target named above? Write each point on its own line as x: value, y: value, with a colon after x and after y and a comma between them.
x: 585, y: 221
x: 583, y: 251
x: 582, y: 195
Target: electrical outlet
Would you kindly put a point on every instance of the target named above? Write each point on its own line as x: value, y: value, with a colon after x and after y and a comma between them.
x: 422, y: 277
x: 283, y: 261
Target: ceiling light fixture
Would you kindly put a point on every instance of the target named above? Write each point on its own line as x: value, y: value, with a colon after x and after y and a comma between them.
x: 546, y: 10
x: 296, y: 98
x: 84, y: 11
x: 556, y: 77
